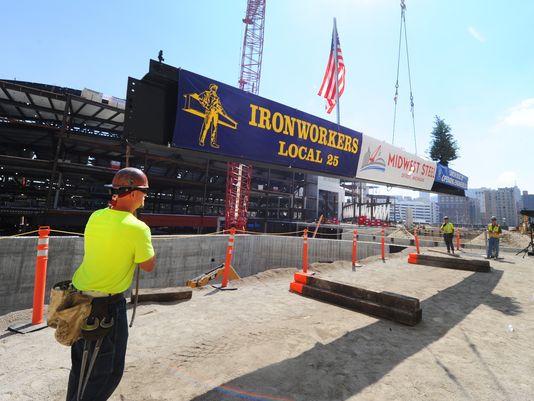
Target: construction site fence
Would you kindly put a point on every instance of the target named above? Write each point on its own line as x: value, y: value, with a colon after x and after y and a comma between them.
x: 178, y: 260
x: 342, y: 232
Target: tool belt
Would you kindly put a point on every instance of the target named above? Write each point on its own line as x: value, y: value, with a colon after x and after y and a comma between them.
x: 100, y: 320
x: 76, y: 315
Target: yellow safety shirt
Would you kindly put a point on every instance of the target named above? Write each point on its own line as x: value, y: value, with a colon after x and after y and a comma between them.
x: 447, y: 228
x: 114, y: 242
x: 494, y: 230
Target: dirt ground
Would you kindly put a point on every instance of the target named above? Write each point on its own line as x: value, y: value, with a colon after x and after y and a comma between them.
x: 512, y: 239
x: 401, y: 233
x: 262, y: 342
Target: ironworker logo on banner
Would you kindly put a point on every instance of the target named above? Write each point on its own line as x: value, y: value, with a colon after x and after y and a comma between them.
x: 213, y: 114
x: 216, y: 118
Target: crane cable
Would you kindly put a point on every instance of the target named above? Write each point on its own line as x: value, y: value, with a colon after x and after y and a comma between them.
x: 412, y: 109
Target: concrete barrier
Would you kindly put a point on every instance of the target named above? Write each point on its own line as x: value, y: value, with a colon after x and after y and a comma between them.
x: 179, y: 259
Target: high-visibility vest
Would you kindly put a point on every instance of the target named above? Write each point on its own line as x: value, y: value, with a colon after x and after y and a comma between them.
x: 494, y: 230
x: 447, y: 228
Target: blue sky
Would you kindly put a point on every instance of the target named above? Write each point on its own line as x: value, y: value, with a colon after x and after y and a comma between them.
x: 471, y: 61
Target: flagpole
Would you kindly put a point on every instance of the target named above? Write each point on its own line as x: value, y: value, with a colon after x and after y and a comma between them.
x: 336, y: 72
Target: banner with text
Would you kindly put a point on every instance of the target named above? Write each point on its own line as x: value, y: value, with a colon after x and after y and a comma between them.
x: 385, y: 163
x: 448, y: 176
x: 217, y: 118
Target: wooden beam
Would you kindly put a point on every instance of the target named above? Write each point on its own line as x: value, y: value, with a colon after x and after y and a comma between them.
x: 387, y: 305
x: 163, y: 295
x: 449, y: 262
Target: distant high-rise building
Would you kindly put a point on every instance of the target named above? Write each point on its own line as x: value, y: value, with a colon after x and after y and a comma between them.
x: 475, y: 216
x: 424, y: 195
x: 478, y: 193
x: 528, y: 203
x: 528, y: 200
x: 456, y: 208
x: 503, y: 203
x: 422, y: 211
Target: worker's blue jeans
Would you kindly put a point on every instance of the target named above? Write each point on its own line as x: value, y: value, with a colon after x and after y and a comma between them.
x: 448, y: 242
x: 493, y: 247
x: 109, y: 365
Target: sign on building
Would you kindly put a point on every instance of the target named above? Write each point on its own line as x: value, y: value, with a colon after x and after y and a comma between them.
x: 385, y: 163
x: 216, y: 118
x: 448, y: 176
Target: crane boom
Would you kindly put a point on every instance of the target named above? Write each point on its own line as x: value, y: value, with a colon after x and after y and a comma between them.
x: 239, y: 175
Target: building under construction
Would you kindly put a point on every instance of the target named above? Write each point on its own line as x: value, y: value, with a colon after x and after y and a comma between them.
x: 59, y: 146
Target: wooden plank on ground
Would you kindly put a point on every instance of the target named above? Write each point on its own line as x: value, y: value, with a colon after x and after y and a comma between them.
x: 396, y: 307
x: 360, y: 305
x: 451, y: 262
x: 382, y: 298
x: 163, y: 294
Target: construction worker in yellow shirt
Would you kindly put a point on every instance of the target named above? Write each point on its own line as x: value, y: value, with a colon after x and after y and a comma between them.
x: 447, y: 229
x: 494, y: 234
x: 115, y: 241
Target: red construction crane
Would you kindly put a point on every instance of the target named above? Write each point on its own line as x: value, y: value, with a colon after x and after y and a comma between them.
x: 239, y: 175
x: 249, y: 76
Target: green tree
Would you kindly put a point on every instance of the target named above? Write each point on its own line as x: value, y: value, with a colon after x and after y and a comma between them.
x: 443, y: 146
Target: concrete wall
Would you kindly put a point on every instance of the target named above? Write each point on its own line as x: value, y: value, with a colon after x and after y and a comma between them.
x: 178, y: 260
x: 17, y: 268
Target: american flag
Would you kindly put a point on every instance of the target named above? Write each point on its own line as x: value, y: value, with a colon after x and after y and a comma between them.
x: 328, y: 87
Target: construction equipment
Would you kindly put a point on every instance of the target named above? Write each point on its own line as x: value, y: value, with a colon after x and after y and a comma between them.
x: 238, y: 182
x: 317, y: 226
x: 239, y: 175
x: 524, y: 226
x: 205, y: 278
x: 395, y: 98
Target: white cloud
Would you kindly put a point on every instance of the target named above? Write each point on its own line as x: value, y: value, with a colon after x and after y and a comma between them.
x: 477, y: 35
x: 507, y: 178
x: 521, y: 115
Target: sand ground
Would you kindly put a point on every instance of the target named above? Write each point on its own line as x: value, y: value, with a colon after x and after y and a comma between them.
x: 512, y: 239
x: 261, y: 342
